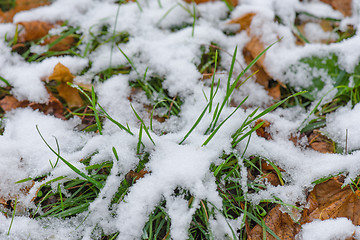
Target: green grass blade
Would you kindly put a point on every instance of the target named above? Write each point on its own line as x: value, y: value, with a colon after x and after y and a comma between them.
x: 93, y: 103
x: 247, y: 134
x: 13, y: 216
x: 218, y: 127
x: 114, y: 121
x: 96, y: 183
x: 195, y: 124
x: 144, y: 126
x: 128, y: 59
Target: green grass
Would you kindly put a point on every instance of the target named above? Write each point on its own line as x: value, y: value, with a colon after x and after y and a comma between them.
x: 345, y: 84
x: 6, y: 5
x: 72, y: 196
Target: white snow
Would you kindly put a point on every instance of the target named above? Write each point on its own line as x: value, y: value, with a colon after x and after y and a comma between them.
x: 334, y: 229
x: 159, y: 43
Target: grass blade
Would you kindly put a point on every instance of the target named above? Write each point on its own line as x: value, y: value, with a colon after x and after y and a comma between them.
x: 143, y: 124
x: 195, y: 124
x: 96, y: 183
x: 218, y: 127
x: 12, y: 218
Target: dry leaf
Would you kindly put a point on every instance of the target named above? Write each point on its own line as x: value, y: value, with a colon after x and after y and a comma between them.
x: 267, y: 167
x: 34, y: 30
x: 53, y: 107
x: 280, y: 223
x: 321, y: 143
x: 231, y: 2
x: 343, y: 6
x: 70, y: 95
x: 244, y: 21
x: 21, y: 5
x: 134, y: 176
x: 329, y: 200
x: 9, y: 102
x: 263, y: 130
x: 64, y: 44
x: 272, y: 178
x: 63, y: 75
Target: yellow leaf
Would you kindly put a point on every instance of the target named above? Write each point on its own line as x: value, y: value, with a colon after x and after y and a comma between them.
x: 70, y: 95
x: 62, y: 74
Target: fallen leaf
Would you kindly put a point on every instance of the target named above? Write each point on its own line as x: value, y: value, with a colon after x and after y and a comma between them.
x: 280, y: 223
x: 132, y: 177
x: 244, y: 21
x: 231, y: 2
x: 53, y: 107
x: 263, y: 130
x: 61, y: 74
x: 267, y: 167
x: 21, y: 5
x: 320, y: 142
x: 34, y: 30
x: 343, y: 6
x: 71, y: 95
x: 9, y: 102
x: 272, y: 178
x: 64, y: 44
x: 329, y: 200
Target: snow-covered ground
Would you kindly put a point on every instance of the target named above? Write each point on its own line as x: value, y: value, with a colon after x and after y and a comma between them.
x: 173, y: 54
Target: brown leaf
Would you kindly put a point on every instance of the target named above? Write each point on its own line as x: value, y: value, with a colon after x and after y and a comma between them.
x: 134, y: 176
x: 263, y: 130
x: 272, y: 178
x: 244, y: 21
x: 21, y: 5
x: 267, y: 167
x: 34, y: 30
x: 52, y: 107
x: 343, y: 6
x: 321, y: 143
x: 328, y: 200
x: 280, y: 223
x: 70, y: 95
x: 9, y: 102
x: 63, y: 75
x: 231, y: 2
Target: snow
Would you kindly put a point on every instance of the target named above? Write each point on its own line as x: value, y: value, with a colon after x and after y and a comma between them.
x: 334, y: 229
x: 173, y: 54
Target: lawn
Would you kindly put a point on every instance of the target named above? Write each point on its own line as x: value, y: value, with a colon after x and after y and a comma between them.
x: 174, y: 119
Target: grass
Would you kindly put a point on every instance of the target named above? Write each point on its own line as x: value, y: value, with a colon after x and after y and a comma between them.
x: 82, y: 191
x: 345, y: 84
x: 235, y: 177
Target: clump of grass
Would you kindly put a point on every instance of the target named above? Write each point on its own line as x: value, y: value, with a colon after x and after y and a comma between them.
x: 6, y: 5
x: 347, y: 85
x: 158, y: 96
x: 209, y: 59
